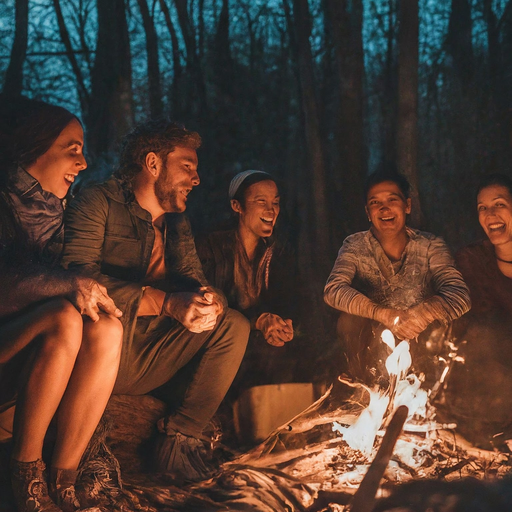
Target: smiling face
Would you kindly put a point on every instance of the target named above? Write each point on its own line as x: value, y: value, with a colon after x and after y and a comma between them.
x: 57, y: 169
x: 387, y: 208
x: 178, y: 176
x: 494, y: 204
x: 259, y: 212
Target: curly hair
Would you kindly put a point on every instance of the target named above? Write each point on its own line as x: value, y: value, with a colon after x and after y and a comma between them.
x: 160, y: 136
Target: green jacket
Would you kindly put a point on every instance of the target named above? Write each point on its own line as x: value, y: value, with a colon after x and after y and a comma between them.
x: 110, y: 237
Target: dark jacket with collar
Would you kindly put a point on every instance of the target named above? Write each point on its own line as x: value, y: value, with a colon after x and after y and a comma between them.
x: 110, y: 237
x: 217, y: 254
x: 37, y: 217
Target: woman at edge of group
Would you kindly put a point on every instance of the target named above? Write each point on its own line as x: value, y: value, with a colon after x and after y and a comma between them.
x: 479, y: 392
x: 64, y: 366
x: 240, y: 261
x: 487, y: 265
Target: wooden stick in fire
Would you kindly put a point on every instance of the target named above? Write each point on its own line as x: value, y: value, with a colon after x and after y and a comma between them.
x: 364, y: 498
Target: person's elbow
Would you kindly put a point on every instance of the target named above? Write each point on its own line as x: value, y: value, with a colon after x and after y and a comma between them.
x: 330, y: 294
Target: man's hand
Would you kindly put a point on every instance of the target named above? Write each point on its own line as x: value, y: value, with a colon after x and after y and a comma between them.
x: 89, y: 297
x: 276, y: 331
x: 411, y: 324
x: 387, y: 317
x: 211, y: 295
x: 197, y: 312
x: 405, y: 325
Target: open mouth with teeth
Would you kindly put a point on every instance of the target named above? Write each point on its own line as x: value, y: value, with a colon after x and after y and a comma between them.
x: 496, y: 227
x: 267, y: 221
x: 387, y: 219
x: 70, y: 178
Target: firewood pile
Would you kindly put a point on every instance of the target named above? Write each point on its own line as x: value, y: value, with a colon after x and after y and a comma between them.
x: 351, y: 445
x: 308, y: 449
x: 305, y: 465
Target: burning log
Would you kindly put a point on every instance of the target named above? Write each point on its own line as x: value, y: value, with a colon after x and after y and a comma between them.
x: 305, y: 465
x: 364, y: 499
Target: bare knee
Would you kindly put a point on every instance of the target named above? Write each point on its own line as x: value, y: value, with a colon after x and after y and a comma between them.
x: 54, y: 326
x: 62, y: 326
x: 104, y: 337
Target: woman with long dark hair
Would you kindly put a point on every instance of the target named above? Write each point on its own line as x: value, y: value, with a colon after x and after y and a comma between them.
x: 479, y: 393
x: 487, y: 265
x: 60, y: 338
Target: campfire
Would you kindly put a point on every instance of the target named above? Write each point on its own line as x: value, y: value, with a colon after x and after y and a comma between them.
x: 354, y: 443
x: 331, y: 445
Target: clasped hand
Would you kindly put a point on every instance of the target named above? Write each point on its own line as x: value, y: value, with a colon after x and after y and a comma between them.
x: 89, y: 297
x: 276, y: 331
x: 197, y: 311
x: 410, y: 324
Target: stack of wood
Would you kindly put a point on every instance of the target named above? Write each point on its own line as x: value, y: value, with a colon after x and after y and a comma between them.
x: 302, y: 466
x: 302, y: 463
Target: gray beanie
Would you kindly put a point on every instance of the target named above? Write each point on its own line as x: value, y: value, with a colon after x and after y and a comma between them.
x: 240, y: 178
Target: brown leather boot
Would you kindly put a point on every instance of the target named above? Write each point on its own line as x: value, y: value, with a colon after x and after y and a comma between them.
x: 62, y: 489
x: 30, y: 488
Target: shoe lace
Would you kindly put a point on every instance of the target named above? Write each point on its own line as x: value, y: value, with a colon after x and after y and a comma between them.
x: 68, y: 496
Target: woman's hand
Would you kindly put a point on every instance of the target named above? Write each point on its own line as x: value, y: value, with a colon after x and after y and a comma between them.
x: 275, y: 330
x: 89, y: 297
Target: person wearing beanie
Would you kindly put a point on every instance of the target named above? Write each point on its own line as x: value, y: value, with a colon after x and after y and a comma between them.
x: 256, y: 273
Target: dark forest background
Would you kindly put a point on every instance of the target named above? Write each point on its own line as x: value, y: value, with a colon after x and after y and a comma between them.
x: 317, y: 92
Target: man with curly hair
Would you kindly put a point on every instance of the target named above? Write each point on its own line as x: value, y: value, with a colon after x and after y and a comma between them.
x: 130, y: 233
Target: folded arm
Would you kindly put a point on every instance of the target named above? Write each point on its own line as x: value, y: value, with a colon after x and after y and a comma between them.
x: 338, y: 291
x: 452, y: 298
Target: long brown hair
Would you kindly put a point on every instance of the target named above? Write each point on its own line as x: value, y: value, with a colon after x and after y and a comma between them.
x: 28, y: 128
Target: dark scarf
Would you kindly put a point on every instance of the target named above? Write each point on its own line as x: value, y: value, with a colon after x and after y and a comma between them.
x: 251, y: 277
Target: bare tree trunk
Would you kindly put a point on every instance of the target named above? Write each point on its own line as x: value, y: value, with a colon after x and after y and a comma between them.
x: 111, y: 109
x: 500, y: 73
x: 300, y: 181
x: 13, y: 84
x: 459, y: 38
x: 320, y: 232
x: 224, y: 63
x: 83, y: 93
x: 196, y: 86
x: 153, y: 66
x: 407, y: 129
x: 176, y: 60
x: 390, y: 96
x: 506, y: 31
x: 347, y: 19
x: 201, y: 29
